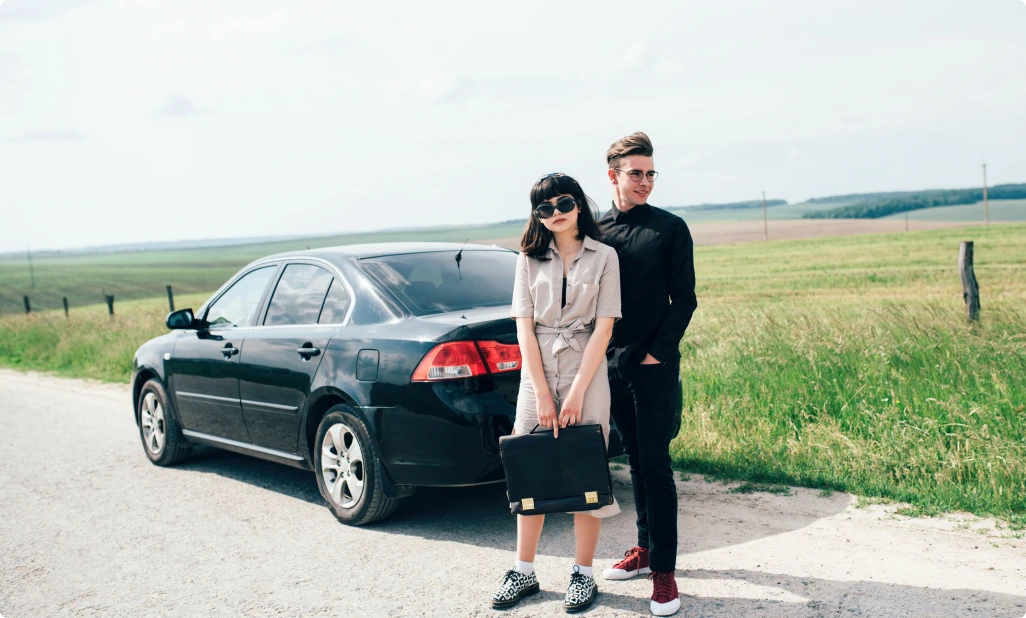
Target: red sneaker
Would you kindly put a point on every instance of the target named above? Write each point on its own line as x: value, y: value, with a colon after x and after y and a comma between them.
x: 665, y: 598
x: 635, y: 562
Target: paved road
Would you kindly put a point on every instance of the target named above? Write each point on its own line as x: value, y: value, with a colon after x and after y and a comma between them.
x: 91, y: 528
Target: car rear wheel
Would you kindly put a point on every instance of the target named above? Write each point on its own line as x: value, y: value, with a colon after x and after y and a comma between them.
x: 346, y: 463
x: 162, y: 442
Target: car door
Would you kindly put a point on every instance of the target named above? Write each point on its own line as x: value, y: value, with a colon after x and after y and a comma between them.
x: 204, y: 367
x: 281, y: 357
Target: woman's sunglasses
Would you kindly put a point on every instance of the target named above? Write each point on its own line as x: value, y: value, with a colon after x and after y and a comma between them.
x: 546, y: 210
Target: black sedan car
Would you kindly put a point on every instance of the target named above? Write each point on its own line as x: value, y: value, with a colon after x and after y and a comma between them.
x: 381, y: 368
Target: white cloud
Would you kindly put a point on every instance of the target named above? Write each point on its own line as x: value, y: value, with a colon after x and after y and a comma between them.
x: 691, y: 157
x: 440, y: 87
x: 11, y: 10
x: 638, y: 57
x: 177, y: 106
x: 47, y: 135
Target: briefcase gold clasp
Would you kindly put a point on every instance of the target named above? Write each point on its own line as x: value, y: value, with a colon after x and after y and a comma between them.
x: 591, y: 497
x: 528, y: 503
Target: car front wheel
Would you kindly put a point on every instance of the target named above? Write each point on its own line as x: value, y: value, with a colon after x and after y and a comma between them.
x: 346, y: 463
x: 162, y: 442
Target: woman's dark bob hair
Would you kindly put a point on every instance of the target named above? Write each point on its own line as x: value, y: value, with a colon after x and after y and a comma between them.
x: 535, y: 241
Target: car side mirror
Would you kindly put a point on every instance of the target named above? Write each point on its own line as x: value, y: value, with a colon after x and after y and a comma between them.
x: 183, y: 318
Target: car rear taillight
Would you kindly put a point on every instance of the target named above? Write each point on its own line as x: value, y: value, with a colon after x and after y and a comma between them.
x: 461, y: 359
x: 500, y: 357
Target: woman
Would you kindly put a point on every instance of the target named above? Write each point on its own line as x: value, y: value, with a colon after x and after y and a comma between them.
x: 565, y: 299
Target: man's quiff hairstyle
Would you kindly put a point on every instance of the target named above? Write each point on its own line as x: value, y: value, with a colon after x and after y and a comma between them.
x: 634, y: 144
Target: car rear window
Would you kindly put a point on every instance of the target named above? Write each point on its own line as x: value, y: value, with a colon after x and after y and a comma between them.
x: 434, y: 283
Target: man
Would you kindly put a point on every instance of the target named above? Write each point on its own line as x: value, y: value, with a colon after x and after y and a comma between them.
x: 657, y: 281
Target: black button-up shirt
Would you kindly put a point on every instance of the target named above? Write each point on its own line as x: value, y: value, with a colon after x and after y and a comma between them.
x: 657, y: 283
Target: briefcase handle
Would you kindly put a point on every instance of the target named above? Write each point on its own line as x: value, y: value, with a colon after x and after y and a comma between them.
x: 539, y: 424
x: 536, y: 426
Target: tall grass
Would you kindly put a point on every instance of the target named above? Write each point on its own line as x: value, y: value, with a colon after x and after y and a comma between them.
x: 904, y: 403
x: 846, y: 363
x: 86, y: 344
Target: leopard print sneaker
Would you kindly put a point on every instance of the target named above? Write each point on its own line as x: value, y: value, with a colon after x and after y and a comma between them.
x: 515, y: 586
x: 581, y: 592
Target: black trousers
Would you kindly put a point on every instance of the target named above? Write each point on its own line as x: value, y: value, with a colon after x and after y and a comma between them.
x: 644, y: 408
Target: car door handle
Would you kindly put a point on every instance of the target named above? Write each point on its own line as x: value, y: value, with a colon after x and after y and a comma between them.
x: 229, y: 351
x: 308, y: 352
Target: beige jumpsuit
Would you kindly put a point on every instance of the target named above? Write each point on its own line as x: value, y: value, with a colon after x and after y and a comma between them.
x: 592, y: 291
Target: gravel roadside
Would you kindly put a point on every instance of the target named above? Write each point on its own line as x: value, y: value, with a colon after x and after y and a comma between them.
x: 91, y: 528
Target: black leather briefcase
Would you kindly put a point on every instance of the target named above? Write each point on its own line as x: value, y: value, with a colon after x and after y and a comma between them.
x: 545, y: 474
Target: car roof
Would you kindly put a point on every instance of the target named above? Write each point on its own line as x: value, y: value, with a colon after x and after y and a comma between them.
x: 370, y: 250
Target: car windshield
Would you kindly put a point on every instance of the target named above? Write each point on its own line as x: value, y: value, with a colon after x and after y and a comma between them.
x: 436, y: 282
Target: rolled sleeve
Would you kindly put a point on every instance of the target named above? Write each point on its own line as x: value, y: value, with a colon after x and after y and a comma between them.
x: 523, y: 304
x: 609, y: 288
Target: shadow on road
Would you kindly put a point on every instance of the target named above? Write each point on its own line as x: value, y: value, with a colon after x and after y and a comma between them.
x: 283, y: 479
x: 448, y: 514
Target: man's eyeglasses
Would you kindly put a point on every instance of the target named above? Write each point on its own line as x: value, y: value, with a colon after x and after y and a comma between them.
x: 636, y: 175
x: 546, y: 210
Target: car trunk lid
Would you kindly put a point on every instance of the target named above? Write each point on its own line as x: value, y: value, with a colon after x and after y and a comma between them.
x: 488, y: 324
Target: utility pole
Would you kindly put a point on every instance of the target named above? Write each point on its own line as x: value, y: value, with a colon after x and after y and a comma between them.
x: 765, y: 217
x: 986, y: 209
x: 32, y: 273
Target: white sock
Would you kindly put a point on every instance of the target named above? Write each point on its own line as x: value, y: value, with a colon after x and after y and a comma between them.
x: 584, y: 570
x: 524, y: 567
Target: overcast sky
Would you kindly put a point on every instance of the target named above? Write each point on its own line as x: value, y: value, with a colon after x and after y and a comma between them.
x: 135, y: 120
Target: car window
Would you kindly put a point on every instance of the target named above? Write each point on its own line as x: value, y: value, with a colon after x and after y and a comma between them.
x: 237, y: 306
x: 436, y: 282
x: 299, y: 295
x: 335, y: 305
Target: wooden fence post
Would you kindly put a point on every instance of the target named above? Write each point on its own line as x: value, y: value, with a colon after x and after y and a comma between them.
x: 170, y: 299
x: 28, y: 306
x: 110, y: 303
x: 65, y: 299
x: 970, y: 288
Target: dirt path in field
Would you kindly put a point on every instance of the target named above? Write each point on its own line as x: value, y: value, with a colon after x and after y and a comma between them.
x: 91, y: 528
x: 727, y: 232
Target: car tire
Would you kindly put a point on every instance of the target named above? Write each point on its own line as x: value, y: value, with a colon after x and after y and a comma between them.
x: 162, y: 441
x: 346, y: 464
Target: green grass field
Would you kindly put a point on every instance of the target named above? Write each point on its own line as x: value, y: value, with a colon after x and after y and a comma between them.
x: 1000, y: 211
x: 775, y: 213
x: 130, y: 275
x: 842, y: 363
x: 845, y: 363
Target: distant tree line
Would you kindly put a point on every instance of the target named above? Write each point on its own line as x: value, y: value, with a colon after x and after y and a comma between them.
x: 875, y: 209
x: 730, y: 205
x: 859, y: 198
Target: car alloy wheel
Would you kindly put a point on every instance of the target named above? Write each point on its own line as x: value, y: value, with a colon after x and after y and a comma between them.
x: 154, y: 427
x: 342, y: 465
x: 158, y: 428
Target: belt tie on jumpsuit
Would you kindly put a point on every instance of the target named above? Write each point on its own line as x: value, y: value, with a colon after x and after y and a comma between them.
x: 566, y: 336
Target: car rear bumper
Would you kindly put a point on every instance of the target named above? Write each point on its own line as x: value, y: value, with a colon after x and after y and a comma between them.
x: 445, y: 434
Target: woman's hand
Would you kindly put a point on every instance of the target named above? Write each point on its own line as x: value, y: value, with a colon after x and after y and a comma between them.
x: 571, y: 413
x: 547, y: 412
